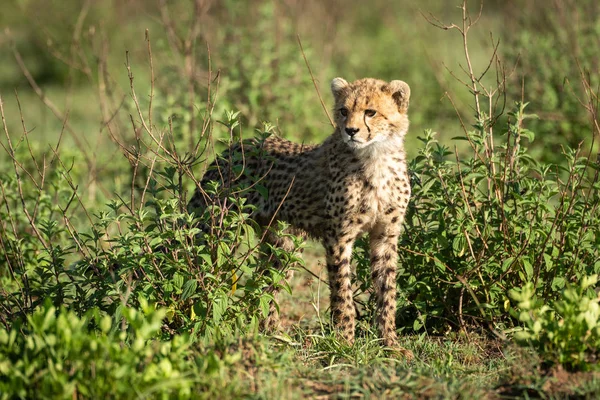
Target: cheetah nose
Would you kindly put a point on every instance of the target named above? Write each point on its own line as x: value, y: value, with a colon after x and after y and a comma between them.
x: 352, y: 131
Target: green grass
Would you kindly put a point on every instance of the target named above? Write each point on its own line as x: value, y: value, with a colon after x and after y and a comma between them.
x: 313, y: 365
x: 456, y: 365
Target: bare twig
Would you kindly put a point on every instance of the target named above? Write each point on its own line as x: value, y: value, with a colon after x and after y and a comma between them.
x: 16, y: 168
x: 151, y: 78
x: 314, y: 81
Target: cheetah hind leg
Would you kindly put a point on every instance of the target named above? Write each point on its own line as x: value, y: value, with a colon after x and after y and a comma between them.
x: 271, y: 322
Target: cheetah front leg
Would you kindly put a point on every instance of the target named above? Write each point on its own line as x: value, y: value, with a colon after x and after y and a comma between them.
x: 339, y: 255
x: 384, y: 259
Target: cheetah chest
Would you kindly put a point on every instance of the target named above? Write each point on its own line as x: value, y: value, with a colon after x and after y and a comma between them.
x: 381, y: 186
x: 378, y: 190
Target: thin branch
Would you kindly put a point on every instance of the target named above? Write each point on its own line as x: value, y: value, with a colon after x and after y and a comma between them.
x: 19, y: 181
x: 314, y: 81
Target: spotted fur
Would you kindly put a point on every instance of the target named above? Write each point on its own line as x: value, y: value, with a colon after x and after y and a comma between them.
x: 356, y: 182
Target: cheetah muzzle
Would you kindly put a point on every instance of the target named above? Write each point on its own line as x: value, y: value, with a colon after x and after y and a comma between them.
x: 355, y: 182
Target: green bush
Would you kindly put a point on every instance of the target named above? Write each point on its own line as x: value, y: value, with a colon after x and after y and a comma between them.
x: 57, y: 354
x: 564, y: 331
x: 111, y: 305
x: 156, y: 252
x: 84, y: 274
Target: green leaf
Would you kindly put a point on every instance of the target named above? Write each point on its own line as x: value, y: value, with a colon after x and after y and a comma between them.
x: 417, y: 325
x: 528, y: 134
x: 588, y: 281
x: 459, y: 138
x: 262, y: 190
x: 558, y: 283
x: 219, y: 307
x: 528, y: 268
x: 507, y: 263
x: 178, y: 280
x: 189, y: 288
x: 459, y: 245
x: 265, y: 304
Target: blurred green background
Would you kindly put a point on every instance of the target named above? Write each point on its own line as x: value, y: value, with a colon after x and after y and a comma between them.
x: 75, y: 50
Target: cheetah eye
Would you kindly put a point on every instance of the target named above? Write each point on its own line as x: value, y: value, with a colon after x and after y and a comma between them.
x: 370, y: 113
x: 344, y: 112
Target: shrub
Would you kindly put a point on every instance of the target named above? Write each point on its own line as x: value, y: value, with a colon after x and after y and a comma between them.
x: 84, y: 275
x: 155, y: 251
x: 57, y: 354
x: 564, y: 331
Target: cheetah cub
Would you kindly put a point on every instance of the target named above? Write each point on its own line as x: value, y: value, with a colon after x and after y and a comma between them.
x: 356, y: 182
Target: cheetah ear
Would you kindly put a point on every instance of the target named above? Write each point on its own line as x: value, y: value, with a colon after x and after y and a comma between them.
x: 401, y: 94
x: 338, y: 85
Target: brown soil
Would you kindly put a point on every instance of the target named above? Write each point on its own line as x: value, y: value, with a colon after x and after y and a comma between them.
x: 528, y: 376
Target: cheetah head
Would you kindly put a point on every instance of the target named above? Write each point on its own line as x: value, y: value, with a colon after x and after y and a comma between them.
x: 370, y: 111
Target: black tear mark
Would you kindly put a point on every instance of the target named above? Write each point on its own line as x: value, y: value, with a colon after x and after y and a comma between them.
x: 367, y: 125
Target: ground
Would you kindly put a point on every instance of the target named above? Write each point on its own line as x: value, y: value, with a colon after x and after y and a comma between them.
x: 453, y: 366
